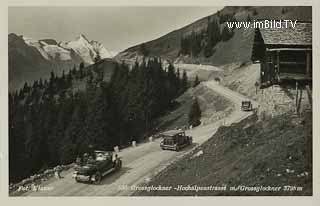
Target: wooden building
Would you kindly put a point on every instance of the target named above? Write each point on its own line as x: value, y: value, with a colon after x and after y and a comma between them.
x: 285, y: 54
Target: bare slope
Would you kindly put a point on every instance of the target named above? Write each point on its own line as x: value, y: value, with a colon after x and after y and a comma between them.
x: 237, y: 49
x: 274, y: 100
x: 275, y: 152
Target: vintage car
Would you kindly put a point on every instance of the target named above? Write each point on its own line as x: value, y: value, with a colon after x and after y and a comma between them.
x: 246, y: 106
x: 92, y: 170
x: 174, y: 140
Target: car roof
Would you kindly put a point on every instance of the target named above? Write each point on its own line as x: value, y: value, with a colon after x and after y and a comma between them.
x: 172, y: 132
x: 100, y: 151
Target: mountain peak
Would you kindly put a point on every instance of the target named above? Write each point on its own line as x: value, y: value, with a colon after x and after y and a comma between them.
x: 82, y: 37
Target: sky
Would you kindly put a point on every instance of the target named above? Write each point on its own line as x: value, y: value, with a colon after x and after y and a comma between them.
x: 117, y: 28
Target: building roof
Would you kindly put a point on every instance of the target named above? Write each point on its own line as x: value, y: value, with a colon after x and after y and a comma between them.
x: 300, y: 35
x: 172, y: 132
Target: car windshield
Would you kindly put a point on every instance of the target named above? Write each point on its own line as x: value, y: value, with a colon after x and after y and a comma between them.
x: 102, y: 156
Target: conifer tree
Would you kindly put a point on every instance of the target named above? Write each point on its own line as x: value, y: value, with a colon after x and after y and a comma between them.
x: 196, y: 81
x: 75, y: 133
x: 184, y: 80
x: 81, y: 70
x: 213, y: 37
x: 97, y: 58
x: 195, y: 113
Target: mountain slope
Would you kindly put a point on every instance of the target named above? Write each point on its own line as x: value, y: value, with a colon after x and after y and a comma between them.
x: 28, y: 63
x: 276, y: 152
x: 31, y: 59
x: 237, y: 49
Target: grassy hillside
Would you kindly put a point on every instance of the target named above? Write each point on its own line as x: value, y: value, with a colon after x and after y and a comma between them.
x: 273, y: 152
x: 212, y: 105
x: 237, y: 49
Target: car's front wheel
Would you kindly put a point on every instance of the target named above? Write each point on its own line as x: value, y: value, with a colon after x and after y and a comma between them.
x: 118, y: 164
x: 97, y: 178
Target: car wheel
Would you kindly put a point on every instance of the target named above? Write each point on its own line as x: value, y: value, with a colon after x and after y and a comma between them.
x: 117, y: 165
x: 97, y: 178
x: 120, y: 165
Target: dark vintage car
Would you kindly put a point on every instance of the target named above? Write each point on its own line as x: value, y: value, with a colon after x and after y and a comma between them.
x: 246, y: 106
x: 92, y: 170
x: 174, y: 140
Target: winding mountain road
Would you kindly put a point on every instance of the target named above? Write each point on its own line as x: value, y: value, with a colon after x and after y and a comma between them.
x: 142, y: 162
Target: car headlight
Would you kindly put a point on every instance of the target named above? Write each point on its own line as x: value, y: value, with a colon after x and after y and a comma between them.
x: 74, y: 174
x: 93, y: 177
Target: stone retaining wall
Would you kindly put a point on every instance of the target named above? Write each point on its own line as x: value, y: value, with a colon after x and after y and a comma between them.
x: 37, y: 178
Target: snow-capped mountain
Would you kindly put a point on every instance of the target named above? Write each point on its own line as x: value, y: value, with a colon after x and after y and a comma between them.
x: 31, y: 59
x: 85, y: 49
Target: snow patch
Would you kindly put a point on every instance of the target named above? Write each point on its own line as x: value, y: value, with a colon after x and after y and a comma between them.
x: 36, y: 44
x: 81, y: 46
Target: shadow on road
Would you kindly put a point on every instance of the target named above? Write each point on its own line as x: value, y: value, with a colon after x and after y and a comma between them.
x: 189, y: 147
x: 110, y: 178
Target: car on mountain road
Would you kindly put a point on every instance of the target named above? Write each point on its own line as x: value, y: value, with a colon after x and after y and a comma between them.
x: 175, y: 140
x: 246, y: 106
x: 93, y: 170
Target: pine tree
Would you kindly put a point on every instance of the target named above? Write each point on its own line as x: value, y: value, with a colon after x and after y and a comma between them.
x: 226, y: 33
x: 33, y: 138
x: 194, y: 114
x: 143, y: 50
x: 196, y: 81
x: 41, y: 84
x: 74, y: 70
x: 248, y: 18
x: 97, y: 58
x: 75, y: 141
x: 81, y: 70
x: 97, y: 121
x: 184, y: 83
x: 50, y: 115
x: 171, y: 82
x: 66, y: 106
x: 213, y: 37
x: 69, y: 79
x: 18, y: 157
